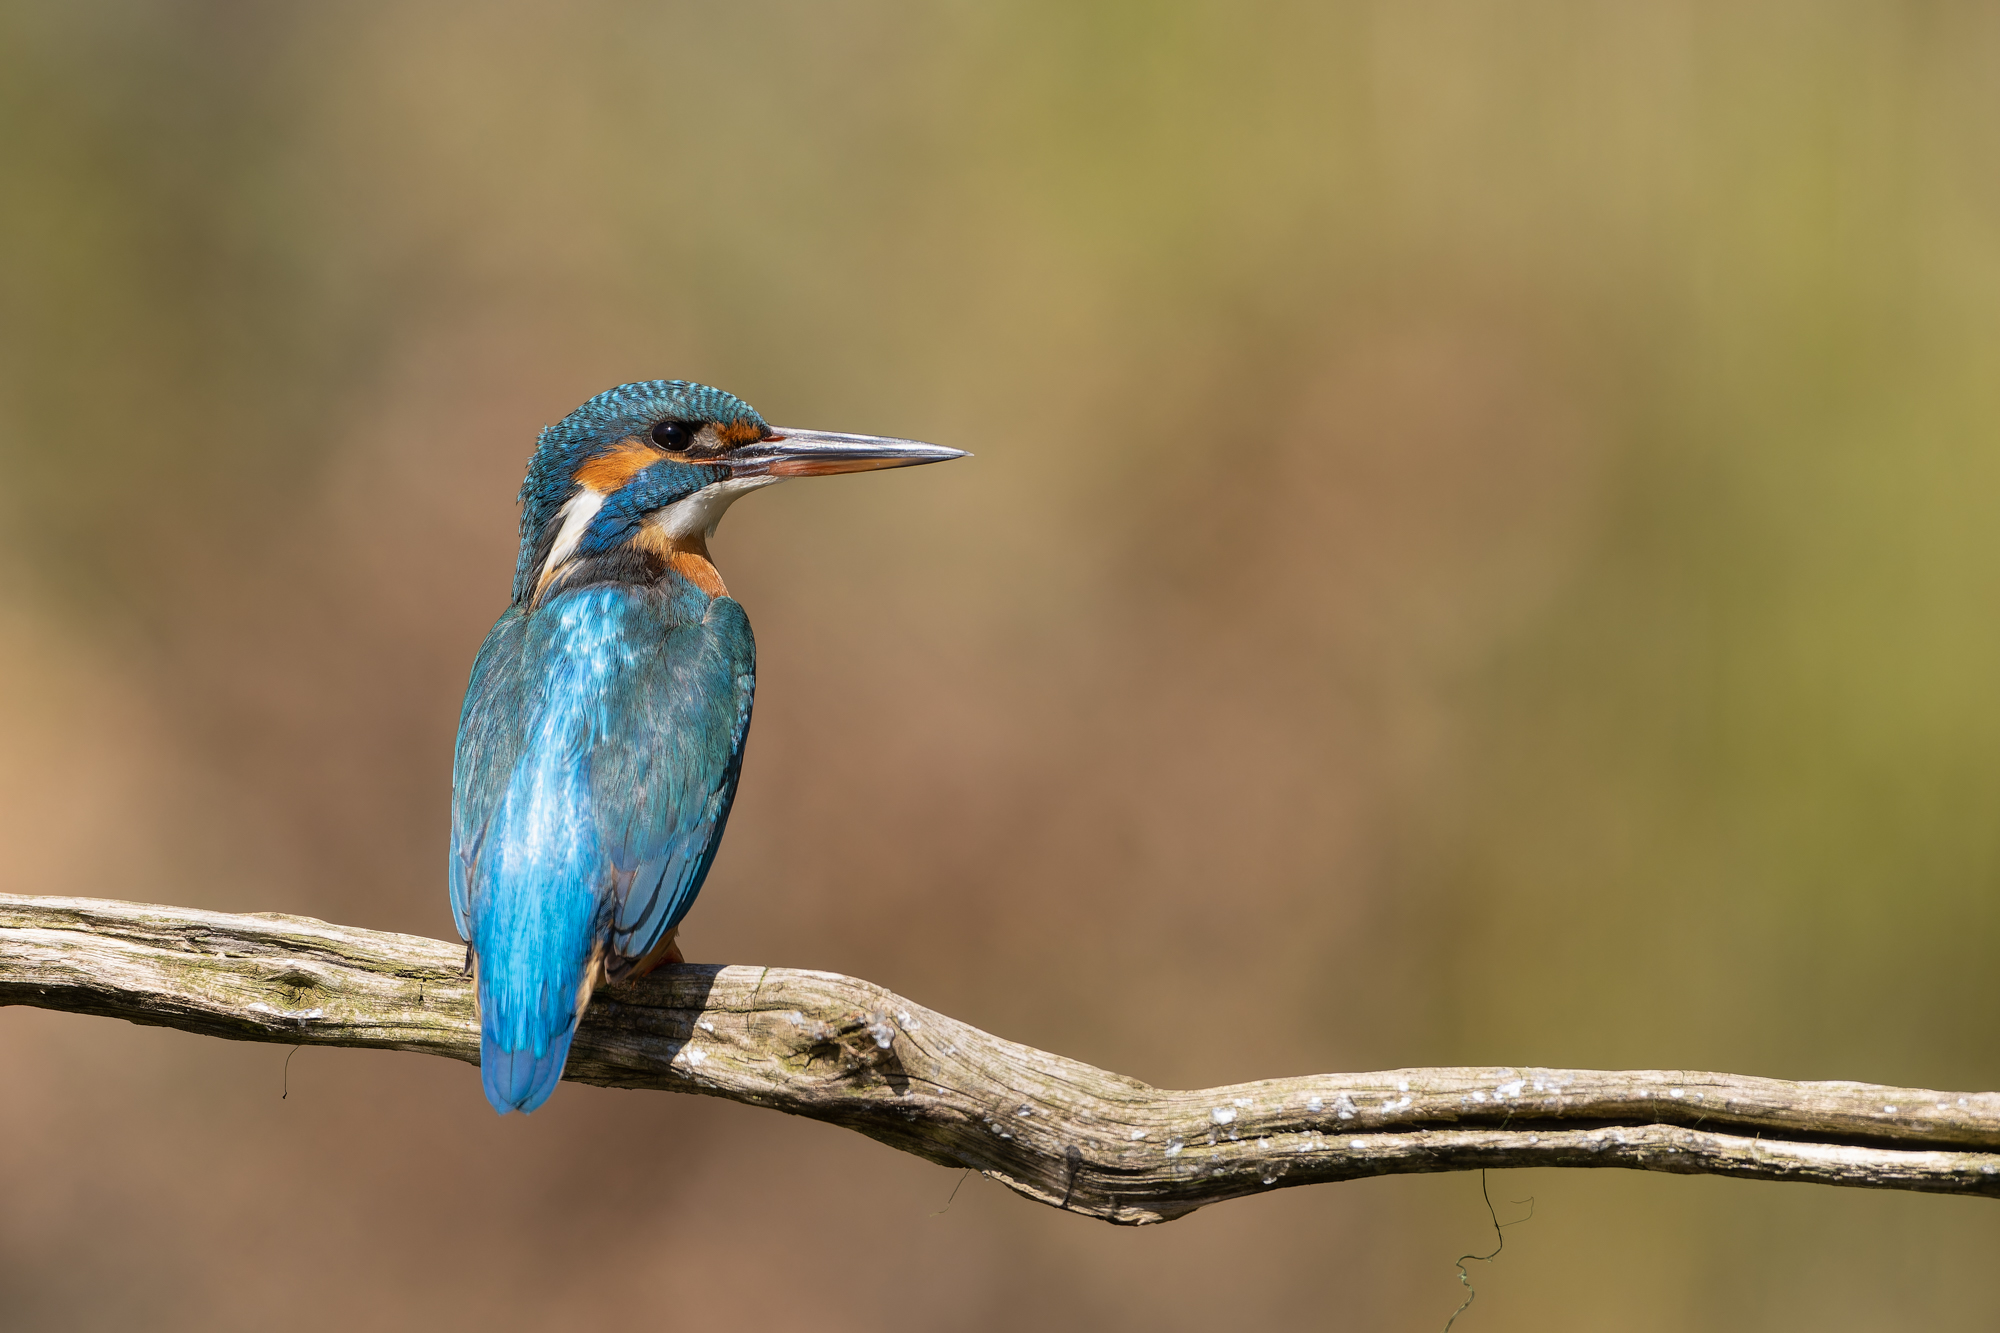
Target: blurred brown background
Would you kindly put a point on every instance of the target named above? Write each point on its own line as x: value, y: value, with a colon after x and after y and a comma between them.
x: 1482, y: 549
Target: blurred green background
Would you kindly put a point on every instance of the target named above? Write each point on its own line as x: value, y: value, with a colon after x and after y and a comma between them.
x: 1482, y: 549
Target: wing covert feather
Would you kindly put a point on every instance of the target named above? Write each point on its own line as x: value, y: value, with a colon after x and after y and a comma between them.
x: 492, y: 727
x: 665, y: 774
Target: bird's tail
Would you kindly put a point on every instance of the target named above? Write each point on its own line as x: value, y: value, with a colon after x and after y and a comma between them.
x: 521, y: 1080
x: 516, y: 1077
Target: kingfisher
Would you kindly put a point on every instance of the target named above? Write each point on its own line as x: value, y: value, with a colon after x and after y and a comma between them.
x: 602, y: 733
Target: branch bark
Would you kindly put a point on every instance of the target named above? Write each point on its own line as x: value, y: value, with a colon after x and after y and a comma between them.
x: 1058, y: 1131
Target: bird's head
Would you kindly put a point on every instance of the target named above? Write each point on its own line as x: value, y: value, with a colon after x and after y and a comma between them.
x: 647, y: 470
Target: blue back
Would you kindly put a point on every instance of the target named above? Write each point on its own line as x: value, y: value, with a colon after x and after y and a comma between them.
x: 597, y: 757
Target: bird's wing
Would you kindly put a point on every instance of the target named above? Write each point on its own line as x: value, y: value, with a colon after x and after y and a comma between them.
x: 492, y: 729
x: 664, y: 746
x: 663, y: 771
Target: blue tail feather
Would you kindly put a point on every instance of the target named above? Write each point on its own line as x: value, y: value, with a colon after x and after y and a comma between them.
x: 521, y: 1080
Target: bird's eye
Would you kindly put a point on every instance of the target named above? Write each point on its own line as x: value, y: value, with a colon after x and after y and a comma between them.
x: 673, y: 435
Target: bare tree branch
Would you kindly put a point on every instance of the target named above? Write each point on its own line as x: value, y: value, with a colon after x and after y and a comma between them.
x: 845, y: 1051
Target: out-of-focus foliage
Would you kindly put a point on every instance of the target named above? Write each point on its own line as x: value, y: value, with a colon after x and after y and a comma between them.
x: 1482, y: 549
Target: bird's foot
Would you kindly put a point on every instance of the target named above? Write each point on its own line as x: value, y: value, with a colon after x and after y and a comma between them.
x: 668, y: 950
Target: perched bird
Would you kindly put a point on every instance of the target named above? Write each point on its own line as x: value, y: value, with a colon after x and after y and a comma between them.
x: 602, y: 733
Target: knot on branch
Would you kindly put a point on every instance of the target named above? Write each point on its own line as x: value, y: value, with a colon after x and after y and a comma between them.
x: 859, y: 1044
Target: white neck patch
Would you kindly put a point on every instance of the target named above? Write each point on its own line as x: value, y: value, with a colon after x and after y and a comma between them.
x: 576, y: 512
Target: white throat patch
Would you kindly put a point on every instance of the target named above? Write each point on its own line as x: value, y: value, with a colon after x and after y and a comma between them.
x: 700, y: 513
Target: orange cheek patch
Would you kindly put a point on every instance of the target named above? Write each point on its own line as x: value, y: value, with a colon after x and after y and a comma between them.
x: 739, y: 432
x: 607, y: 471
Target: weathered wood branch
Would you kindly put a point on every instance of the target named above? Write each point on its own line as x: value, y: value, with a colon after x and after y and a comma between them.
x: 1058, y: 1131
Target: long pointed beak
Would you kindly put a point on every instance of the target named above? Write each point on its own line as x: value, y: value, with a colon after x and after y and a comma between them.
x: 821, y: 453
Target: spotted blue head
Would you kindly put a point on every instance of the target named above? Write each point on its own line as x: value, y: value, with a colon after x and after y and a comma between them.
x: 646, y: 471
